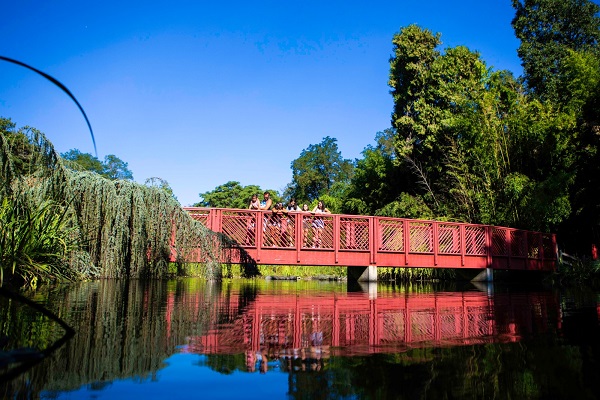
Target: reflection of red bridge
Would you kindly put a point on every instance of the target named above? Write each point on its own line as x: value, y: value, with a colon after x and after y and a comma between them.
x: 351, y: 240
x: 362, y: 325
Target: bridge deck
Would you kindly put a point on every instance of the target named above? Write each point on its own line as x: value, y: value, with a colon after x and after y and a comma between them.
x: 351, y: 240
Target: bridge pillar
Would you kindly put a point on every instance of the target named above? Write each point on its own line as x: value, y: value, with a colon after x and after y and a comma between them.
x: 486, y: 275
x: 363, y: 274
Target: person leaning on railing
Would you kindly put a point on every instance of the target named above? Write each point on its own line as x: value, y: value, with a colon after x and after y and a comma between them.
x: 276, y: 225
x: 306, y: 224
x: 266, y: 202
x: 254, y: 204
x: 286, y: 226
x: 318, y: 224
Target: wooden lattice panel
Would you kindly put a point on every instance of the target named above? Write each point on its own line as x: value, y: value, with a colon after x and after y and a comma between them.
x: 517, y: 243
x: 236, y: 225
x: 548, y: 246
x: 421, y: 237
x: 475, y: 240
x: 534, y: 241
x: 354, y: 233
x: 200, y: 216
x: 449, y: 239
x: 317, y: 232
x: 392, y: 235
x: 499, y: 244
x: 278, y: 231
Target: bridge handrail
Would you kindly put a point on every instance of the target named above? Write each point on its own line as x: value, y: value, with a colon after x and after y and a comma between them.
x: 377, y: 235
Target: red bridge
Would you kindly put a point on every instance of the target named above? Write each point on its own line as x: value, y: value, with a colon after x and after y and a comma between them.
x: 300, y: 238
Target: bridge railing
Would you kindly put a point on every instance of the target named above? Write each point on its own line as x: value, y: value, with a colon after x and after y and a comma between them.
x: 383, y: 241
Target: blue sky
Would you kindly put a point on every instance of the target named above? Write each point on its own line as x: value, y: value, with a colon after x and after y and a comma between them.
x: 200, y: 93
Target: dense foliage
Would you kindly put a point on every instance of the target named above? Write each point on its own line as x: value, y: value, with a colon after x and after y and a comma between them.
x: 318, y: 169
x: 549, y: 31
x: 479, y: 149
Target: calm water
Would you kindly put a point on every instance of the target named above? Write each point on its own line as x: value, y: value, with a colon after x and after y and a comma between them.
x: 310, y: 340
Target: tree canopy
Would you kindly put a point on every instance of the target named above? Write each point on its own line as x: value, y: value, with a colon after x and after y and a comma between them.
x: 478, y: 148
x: 317, y: 169
x: 232, y: 195
x: 112, y: 167
x: 548, y: 29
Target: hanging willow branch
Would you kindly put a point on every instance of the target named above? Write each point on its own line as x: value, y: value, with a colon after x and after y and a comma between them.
x: 133, y: 230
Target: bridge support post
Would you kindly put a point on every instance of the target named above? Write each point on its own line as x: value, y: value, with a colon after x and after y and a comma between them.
x: 486, y: 275
x: 363, y: 274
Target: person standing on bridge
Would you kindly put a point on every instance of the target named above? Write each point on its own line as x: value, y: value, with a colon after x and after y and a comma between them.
x: 254, y: 203
x: 251, y: 223
x: 266, y: 202
x: 306, y: 224
x: 276, y: 231
x: 265, y: 205
x: 286, y: 227
x: 318, y: 224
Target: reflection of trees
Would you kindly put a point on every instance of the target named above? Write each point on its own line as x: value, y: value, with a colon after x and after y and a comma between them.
x: 124, y: 329
x: 515, y: 370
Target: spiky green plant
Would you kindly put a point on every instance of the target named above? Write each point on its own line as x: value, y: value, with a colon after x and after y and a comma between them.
x: 35, y: 241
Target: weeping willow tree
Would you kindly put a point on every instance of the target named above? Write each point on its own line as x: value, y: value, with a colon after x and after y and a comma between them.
x: 101, y: 228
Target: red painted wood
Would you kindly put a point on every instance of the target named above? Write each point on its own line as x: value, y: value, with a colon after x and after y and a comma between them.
x: 285, y: 322
x: 351, y: 240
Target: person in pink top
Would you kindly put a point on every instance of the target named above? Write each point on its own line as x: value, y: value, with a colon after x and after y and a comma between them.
x: 254, y: 203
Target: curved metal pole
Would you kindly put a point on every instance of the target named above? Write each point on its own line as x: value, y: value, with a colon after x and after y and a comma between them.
x: 62, y: 87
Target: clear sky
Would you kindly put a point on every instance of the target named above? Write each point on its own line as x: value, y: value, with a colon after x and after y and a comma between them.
x: 200, y: 93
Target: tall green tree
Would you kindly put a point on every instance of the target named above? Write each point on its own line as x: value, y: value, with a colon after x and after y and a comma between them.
x: 378, y: 179
x: 548, y: 29
x: 318, y: 168
x: 478, y: 148
x: 115, y: 168
x: 83, y: 161
x: 560, y: 49
x: 582, y: 73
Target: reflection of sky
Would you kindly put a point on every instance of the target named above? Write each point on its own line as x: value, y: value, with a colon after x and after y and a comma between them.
x: 185, y: 377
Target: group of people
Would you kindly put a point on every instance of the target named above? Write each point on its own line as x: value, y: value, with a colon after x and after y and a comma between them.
x: 278, y: 222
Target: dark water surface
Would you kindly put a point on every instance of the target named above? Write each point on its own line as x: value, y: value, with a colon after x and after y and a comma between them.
x: 310, y: 340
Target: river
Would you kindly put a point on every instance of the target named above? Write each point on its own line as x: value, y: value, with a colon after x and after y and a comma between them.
x: 188, y: 338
